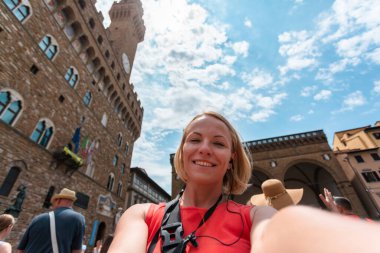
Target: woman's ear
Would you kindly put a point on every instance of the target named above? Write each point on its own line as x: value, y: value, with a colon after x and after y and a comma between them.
x: 233, y: 156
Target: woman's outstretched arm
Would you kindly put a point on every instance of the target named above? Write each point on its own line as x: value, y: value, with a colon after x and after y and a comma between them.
x: 131, y: 232
x: 300, y: 229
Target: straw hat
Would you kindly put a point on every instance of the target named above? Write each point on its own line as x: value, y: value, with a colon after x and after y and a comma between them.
x: 65, y: 194
x: 275, y: 195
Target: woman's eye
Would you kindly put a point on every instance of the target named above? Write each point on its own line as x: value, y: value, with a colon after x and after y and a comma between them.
x: 220, y: 144
x: 194, y: 140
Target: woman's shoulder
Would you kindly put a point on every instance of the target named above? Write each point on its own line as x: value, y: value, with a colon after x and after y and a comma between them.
x: 234, y: 206
x: 155, y: 209
x: 5, y: 247
x: 231, y: 207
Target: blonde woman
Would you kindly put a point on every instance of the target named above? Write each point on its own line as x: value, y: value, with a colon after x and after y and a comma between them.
x: 212, y: 162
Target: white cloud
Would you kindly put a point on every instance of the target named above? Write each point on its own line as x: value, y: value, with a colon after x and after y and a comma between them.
x: 229, y: 59
x: 308, y: 90
x: 225, y: 85
x: 296, y: 118
x: 104, y: 6
x: 241, y: 48
x: 374, y: 56
x: 247, y: 22
x: 376, y: 86
x: 261, y: 116
x: 266, y: 105
x: 299, y: 49
x: 269, y: 102
x: 240, y: 101
x: 322, y: 95
x: 258, y: 79
x: 327, y: 74
x: 351, y: 27
x: 353, y: 100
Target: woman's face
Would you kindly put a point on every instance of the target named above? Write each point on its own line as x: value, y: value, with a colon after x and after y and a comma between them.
x: 207, y: 150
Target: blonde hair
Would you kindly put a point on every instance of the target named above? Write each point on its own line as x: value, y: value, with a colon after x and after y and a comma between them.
x: 235, y: 180
x: 6, y: 220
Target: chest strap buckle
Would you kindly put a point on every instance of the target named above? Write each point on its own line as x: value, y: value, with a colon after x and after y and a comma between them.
x: 171, y: 235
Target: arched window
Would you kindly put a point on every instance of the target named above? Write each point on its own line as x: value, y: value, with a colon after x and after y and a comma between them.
x: 10, y: 107
x: 119, y: 188
x: 87, y: 98
x: 82, y: 3
x: 49, y: 194
x: 111, y: 179
x: 90, y: 169
x: 48, y: 47
x: 42, y: 133
x: 72, y: 76
x: 9, y: 181
x: 114, y: 161
x: 122, y: 168
x: 119, y: 139
x: 91, y: 22
x: 21, y: 9
x: 100, y: 39
x: 126, y: 148
x: 51, y: 4
x: 104, y: 119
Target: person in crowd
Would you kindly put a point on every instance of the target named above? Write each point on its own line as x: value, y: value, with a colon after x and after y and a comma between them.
x: 98, y: 246
x: 276, y: 195
x: 338, y: 204
x: 69, y: 228
x: 301, y: 229
x: 213, y: 164
x: 6, y: 224
x: 106, y: 244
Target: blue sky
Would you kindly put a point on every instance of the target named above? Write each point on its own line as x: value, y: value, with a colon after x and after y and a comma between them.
x: 273, y: 67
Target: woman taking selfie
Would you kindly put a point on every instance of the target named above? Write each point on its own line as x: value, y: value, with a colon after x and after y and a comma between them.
x: 213, y: 164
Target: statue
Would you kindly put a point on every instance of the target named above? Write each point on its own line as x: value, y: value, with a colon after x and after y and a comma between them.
x: 15, y: 209
x: 117, y: 216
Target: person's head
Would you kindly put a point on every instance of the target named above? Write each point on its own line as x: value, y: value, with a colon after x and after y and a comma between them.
x: 6, y: 223
x: 65, y: 198
x: 209, y: 140
x: 98, y: 243
x: 343, y: 204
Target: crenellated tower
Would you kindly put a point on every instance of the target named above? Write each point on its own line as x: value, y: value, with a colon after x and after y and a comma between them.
x: 126, y: 30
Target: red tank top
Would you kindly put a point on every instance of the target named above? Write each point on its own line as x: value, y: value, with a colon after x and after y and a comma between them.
x: 223, y: 227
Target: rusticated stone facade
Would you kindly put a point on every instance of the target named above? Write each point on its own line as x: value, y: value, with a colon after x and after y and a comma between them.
x: 64, y: 81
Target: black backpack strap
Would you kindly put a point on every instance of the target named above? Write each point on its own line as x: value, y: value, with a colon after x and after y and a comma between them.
x: 171, y: 230
x: 170, y: 206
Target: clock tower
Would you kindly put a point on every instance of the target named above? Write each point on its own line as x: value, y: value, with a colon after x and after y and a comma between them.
x: 126, y: 30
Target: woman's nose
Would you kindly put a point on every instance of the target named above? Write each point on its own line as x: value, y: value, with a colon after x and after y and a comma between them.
x: 204, y: 148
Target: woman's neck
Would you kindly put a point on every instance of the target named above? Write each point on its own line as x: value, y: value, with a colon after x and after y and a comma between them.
x: 200, y: 196
x: 3, y: 234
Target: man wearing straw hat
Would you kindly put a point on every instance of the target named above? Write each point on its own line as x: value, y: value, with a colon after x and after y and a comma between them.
x: 276, y: 195
x: 59, y: 231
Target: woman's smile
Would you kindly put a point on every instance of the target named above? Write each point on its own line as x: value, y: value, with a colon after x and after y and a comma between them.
x: 203, y: 163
